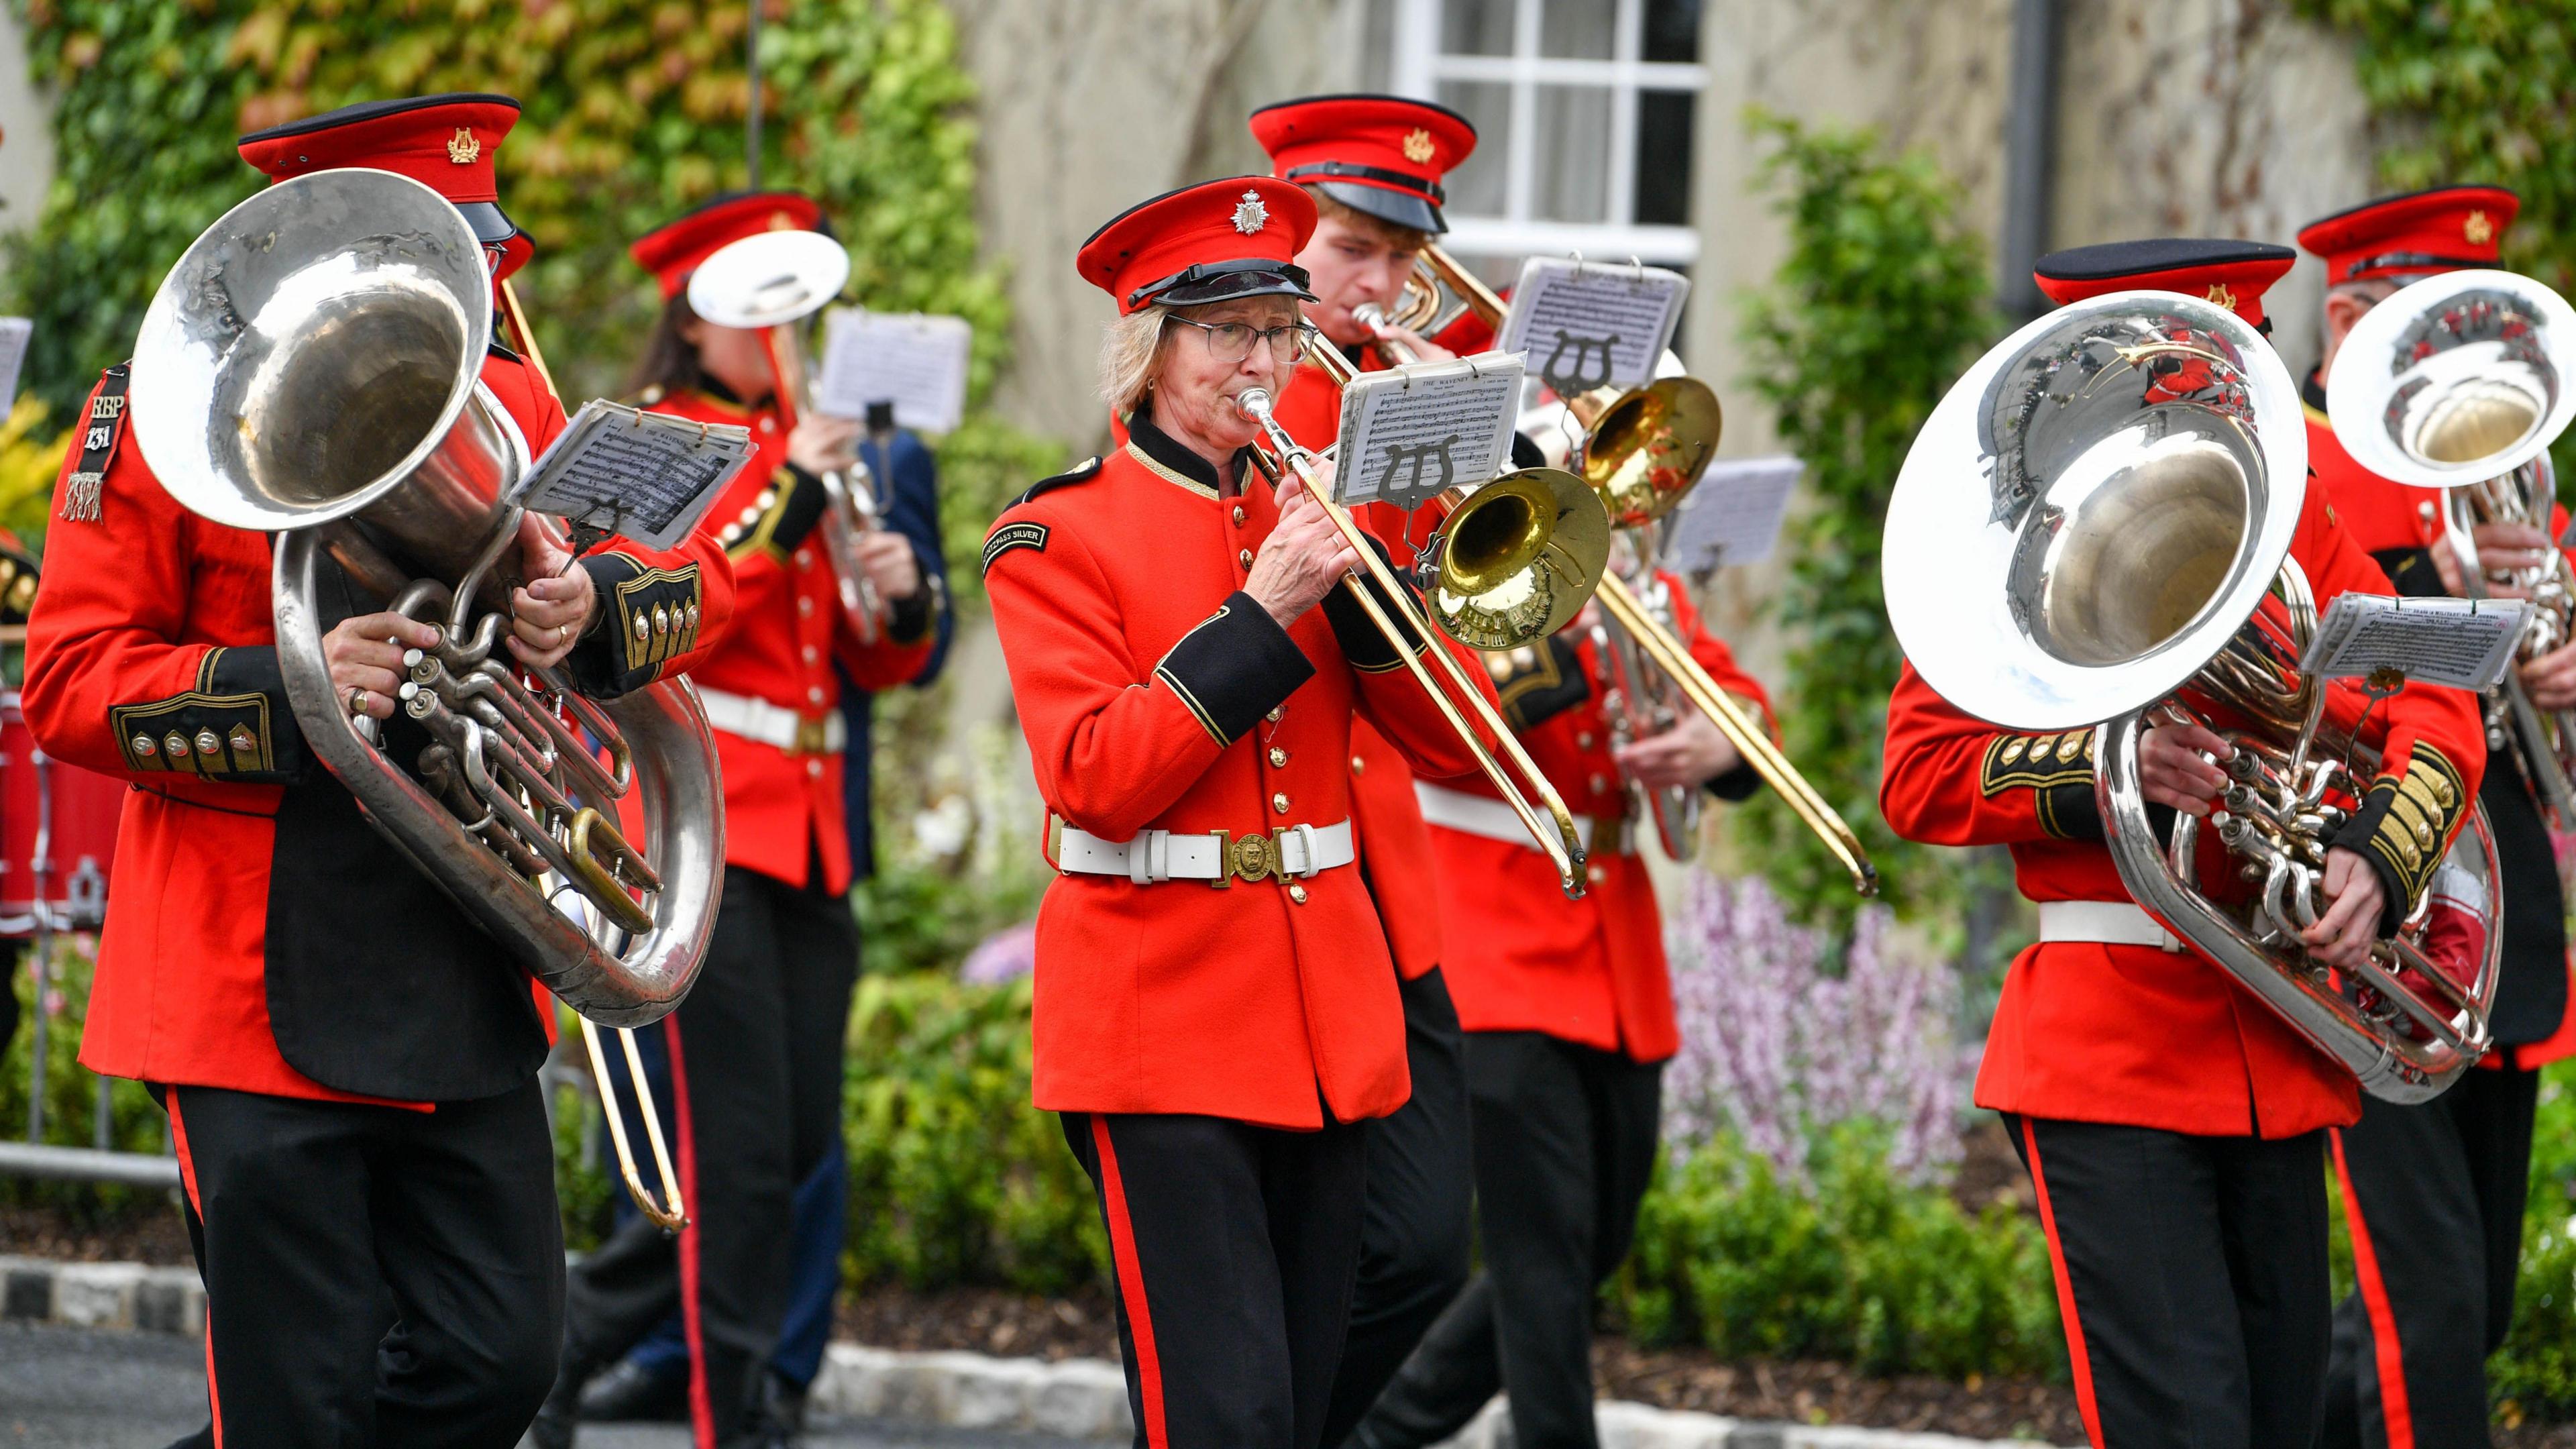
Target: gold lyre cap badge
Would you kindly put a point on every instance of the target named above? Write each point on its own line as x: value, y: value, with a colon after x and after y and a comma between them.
x: 1418, y: 148
x: 2219, y: 296
x: 462, y: 148
x: 2479, y: 229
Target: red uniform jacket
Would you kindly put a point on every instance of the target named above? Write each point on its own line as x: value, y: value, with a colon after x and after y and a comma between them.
x: 2397, y: 523
x: 261, y: 937
x: 2133, y: 1034
x: 1155, y: 694
x: 1521, y: 957
x: 783, y: 808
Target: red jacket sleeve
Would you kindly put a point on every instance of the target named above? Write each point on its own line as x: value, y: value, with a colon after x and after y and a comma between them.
x: 1950, y: 778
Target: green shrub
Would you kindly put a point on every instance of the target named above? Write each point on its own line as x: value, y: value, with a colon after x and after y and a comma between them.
x: 135, y: 1123
x: 1866, y: 1270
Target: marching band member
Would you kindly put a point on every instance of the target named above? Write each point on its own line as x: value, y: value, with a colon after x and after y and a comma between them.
x: 2434, y: 1192
x: 1568, y: 1016
x: 1216, y: 1012
x: 755, y: 1051
x: 348, y: 1062
x: 2172, y: 1124
x: 1373, y: 165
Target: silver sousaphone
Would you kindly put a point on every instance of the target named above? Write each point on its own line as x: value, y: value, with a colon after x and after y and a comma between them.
x: 2092, y: 531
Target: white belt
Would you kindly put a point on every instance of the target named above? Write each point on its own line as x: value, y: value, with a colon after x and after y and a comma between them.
x: 1491, y: 818
x: 1304, y: 851
x: 2109, y: 923
x: 775, y: 725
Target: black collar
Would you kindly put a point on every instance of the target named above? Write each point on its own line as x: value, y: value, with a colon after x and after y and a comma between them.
x: 1160, y: 446
x: 2313, y: 391
x: 707, y: 384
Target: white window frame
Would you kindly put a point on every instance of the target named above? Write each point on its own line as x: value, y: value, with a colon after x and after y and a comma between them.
x: 1420, y: 66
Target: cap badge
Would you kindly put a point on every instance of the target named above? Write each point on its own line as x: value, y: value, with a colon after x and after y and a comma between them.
x: 2478, y: 229
x: 1418, y: 148
x: 1251, y: 216
x: 2219, y: 296
x: 462, y: 148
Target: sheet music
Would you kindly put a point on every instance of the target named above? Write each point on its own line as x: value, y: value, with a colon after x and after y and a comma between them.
x: 1733, y: 516
x: 1410, y: 432
x: 916, y: 361
x: 644, y: 476
x: 14, y: 332
x: 1585, y: 326
x: 2463, y: 643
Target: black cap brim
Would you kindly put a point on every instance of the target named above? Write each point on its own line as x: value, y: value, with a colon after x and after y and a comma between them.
x: 1388, y: 206
x: 1233, y: 286
x: 492, y: 226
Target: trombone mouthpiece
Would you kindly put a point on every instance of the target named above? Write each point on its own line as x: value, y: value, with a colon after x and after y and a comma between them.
x: 1371, y: 316
x: 1253, y: 402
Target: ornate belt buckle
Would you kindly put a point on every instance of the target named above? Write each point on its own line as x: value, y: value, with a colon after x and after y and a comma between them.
x: 1254, y: 856
x: 810, y: 735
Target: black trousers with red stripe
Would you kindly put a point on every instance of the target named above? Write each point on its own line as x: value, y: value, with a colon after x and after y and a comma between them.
x: 1235, y: 1248
x: 756, y: 1059
x: 1414, y: 1242
x: 2191, y: 1272
x: 317, y: 1224
x: 2434, y: 1196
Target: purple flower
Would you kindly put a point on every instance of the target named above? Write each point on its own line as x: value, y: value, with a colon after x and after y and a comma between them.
x: 1778, y: 1048
x: 1005, y: 955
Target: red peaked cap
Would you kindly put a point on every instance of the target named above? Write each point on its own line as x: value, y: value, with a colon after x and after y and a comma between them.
x: 2233, y: 274
x: 2415, y: 235
x: 1384, y: 155
x: 674, y: 249
x: 444, y: 142
x: 1206, y: 243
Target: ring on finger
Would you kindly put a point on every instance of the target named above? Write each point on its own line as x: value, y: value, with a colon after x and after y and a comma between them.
x: 357, y: 700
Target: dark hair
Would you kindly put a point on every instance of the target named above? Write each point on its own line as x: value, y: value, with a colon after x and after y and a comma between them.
x: 670, y: 360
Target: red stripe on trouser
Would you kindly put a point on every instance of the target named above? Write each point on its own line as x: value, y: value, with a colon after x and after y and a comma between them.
x: 702, y: 1418
x: 188, y: 1177
x: 2077, y: 1357
x: 1131, y: 1285
x: 2386, y: 1353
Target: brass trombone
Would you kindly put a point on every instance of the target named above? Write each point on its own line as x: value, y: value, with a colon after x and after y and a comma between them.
x: 1513, y: 563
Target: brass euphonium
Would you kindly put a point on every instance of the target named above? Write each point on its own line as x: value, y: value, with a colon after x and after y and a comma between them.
x: 768, y: 283
x: 2093, y: 530
x: 311, y: 369
x: 2459, y: 382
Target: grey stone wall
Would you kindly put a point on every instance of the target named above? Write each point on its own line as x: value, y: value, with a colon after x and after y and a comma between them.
x: 26, y: 137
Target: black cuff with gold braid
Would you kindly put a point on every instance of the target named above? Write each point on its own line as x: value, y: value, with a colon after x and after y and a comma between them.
x: 2058, y: 771
x: 2403, y: 823
x: 909, y: 619
x: 648, y: 617
x: 1537, y: 682
x: 779, y: 517
x: 1234, y: 667
x: 235, y: 725
x: 1369, y: 650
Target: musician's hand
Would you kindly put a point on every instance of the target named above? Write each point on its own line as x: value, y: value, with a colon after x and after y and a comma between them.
x: 1690, y: 754
x: 2550, y: 680
x: 2342, y: 936
x: 888, y: 558
x: 2172, y: 772
x: 2501, y: 546
x: 1423, y: 348
x: 822, y: 445
x: 1301, y: 560
x: 365, y: 654
x: 550, y: 612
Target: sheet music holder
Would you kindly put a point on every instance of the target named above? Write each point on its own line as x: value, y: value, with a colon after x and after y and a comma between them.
x: 1733, y: 516
x: 640, y: 475
x: 1409, y: 433
x: 2463, y: 643
x: 1585, y: 325
x: 916, y: 361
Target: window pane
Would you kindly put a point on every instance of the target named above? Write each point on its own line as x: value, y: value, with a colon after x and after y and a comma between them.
x: 1578, y: 29
x: 1377, y: 45
x: 1664, y: 157
x: 1481, y: 186
x: 1672, y: 30
x: 1571, y: 176
x: 1476, y: 27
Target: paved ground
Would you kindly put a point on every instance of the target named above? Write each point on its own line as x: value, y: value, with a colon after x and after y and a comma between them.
x: 65, y: 1388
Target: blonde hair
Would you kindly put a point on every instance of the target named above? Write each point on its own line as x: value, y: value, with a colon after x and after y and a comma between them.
x: 1406, y: 238
x: 1129, y: 350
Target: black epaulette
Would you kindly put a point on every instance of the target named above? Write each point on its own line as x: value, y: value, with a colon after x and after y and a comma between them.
x: 1082, y: 472
x: 498, y: 350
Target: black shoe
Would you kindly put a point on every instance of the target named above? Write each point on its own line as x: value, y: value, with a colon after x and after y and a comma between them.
x: 554, y: 1425
x: 786, y: 1404
x: 628, y: 1394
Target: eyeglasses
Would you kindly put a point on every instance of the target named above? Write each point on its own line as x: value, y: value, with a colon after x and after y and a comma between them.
x: 1231, y: 342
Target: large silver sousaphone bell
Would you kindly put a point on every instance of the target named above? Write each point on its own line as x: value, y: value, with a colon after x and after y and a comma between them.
x: 2094, y: 527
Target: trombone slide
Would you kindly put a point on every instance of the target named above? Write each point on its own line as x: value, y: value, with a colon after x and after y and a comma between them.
x: 1747, y: 735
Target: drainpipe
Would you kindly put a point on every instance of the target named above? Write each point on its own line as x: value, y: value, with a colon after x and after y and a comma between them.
x: 2030, y: 148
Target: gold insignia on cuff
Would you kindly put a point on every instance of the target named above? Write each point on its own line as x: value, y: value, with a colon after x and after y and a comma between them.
x: 2423, y: 807
x: 2036, y: 762
x: 657, y: 613
x: 196, y: 733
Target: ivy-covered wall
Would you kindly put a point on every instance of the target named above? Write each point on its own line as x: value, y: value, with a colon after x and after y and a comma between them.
x: 634, y: 111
